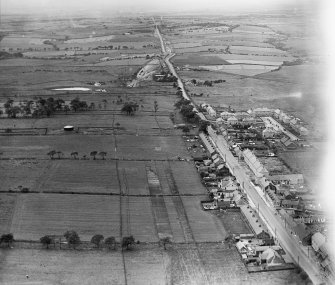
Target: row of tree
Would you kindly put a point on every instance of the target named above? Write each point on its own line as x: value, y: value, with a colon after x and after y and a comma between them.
x: 73, y: 240
x: 44, y: 107
x: 75, y: 154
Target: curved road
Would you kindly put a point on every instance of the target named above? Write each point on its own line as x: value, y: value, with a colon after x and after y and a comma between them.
x: 272, y: 220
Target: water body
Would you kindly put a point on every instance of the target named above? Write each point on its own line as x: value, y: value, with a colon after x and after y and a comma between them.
x: 73, y: 89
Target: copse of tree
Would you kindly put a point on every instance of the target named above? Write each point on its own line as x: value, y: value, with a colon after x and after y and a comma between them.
x: 78, y: 105
x: 7, y: 238
x: 97, y: 240
x: 182, y: 102
x: 164, y: 241
x: 186, y: 129
x: 72, y: 238
x: 203, y: 126
x: 129, y: 108
x: 127, y: 242
x: 51, y: 154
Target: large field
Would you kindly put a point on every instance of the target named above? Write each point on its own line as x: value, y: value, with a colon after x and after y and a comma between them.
x: 144, y: 265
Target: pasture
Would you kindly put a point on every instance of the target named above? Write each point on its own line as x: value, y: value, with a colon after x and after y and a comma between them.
x: 36, y: 215
x: 24, y: 173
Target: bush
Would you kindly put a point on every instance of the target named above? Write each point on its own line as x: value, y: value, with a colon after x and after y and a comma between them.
x: 303, y: 275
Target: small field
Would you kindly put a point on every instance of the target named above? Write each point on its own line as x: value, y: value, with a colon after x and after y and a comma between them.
x: 7, y: 205
x: 234, y: 222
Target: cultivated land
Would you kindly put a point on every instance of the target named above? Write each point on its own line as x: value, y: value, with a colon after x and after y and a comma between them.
x: 146, y: 186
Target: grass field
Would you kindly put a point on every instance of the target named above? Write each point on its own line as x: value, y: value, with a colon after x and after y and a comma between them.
x: 143, y: 265
x: 25, y: 173
x: 37, y: 215
x: 7, y: 204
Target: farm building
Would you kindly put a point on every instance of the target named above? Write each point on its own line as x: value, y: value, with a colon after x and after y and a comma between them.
x: 318, y: 240
x: 293, y: 179
x: 257, y: 168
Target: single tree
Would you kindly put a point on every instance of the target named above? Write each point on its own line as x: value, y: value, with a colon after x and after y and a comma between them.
x: 7, y: 238
x: 203, y: 126
x: 110, y: 241
x: 66, y: 109
x: 93, y: 153
x: 46, y: 240
x: 155, y: 106
x: 97, y: 239
x: 51, y: 154
x: 165, y: 241
x: 127, y: 242
x: 59, y: 153
x: 186, y: 129
x: 72, y: 238
x: 74, y: 154
x: 102, y: 154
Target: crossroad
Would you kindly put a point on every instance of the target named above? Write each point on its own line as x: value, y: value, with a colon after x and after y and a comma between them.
x: 269, y: 216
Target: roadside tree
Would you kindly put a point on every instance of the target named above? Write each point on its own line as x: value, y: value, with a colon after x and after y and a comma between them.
x: 46, y: 241
x: 127, y: 242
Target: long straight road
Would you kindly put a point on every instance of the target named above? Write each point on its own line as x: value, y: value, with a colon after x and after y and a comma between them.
x: 272, y: 220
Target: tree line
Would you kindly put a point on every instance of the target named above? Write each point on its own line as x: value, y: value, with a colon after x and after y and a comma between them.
x: 75, y: 154
x: 44, y: 107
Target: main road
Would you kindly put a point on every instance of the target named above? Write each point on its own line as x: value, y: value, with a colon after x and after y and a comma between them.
x: 276, y: 225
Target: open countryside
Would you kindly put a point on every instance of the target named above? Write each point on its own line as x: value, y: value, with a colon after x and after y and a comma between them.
x: 161, y: 148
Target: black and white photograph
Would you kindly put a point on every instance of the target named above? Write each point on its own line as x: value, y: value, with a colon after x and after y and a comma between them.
x: 178, y: 142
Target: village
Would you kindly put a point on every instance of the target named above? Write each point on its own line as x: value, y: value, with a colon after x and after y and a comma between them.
x: 255, y: 137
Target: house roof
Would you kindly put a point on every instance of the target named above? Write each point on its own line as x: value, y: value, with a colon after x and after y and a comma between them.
x: 232, y: 119
x: 319, y: 239
x: 252, y: 159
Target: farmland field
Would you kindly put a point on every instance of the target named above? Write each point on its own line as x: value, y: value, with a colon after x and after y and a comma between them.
x: 143, y: 264
x: 37, y: 215
x: 145, y: 184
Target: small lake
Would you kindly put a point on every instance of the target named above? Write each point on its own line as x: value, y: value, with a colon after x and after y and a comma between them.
x: 72, y: 89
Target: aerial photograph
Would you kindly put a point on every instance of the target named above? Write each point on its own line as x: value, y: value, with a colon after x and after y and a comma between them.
x: 179, y: 142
